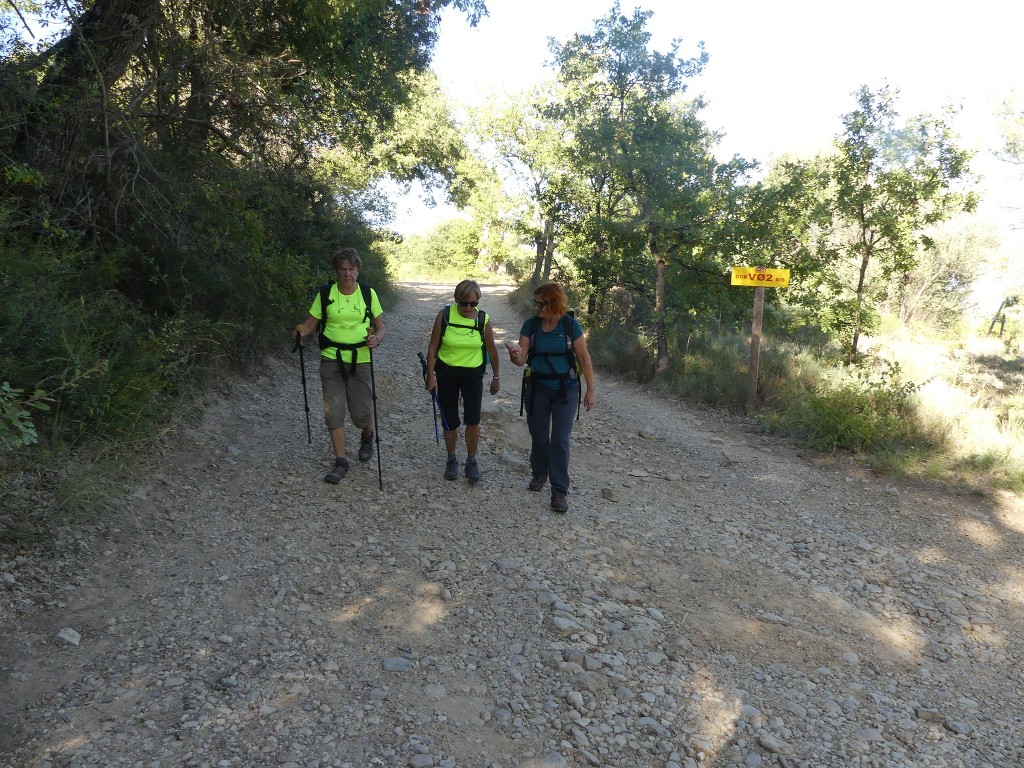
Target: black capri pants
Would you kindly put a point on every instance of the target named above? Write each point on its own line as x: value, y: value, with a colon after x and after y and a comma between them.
x: 452, y: 382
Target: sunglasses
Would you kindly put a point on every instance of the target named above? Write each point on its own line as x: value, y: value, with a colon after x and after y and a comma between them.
x: 468, y: 303
x: 540, y: 303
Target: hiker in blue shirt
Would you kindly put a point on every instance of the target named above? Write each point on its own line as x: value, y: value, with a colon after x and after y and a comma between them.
x: 554, y: 349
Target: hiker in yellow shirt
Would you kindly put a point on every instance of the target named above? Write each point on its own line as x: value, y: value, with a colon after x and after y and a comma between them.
x: 461, y: 345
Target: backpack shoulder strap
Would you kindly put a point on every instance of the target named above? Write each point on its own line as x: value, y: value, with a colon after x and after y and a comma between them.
x: 481, y: 321
x: 325, y: 300
x: 367, y: 301
x: 534, y: 324
x: 570, y: 350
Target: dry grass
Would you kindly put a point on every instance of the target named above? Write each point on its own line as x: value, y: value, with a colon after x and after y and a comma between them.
x: 970, y: 391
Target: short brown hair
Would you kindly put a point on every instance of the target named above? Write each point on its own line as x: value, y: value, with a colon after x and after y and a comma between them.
x: 555, y: 297
x: 466, y: 289
x: 350, y: 255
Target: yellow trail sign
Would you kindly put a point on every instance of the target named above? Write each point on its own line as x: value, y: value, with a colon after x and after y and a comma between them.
x: 760, y: 277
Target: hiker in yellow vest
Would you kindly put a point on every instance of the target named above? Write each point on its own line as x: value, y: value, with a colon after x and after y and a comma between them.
x: 461, y: 342
x: 353, y: 326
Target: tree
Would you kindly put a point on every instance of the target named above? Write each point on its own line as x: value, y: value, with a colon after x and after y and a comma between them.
x: 1011, y: 118
x: 172, y: 179
x: 271, y: 82
x: 890, y: 183
x: 938, y: 291
x: 531, y: 148
x: 645, y: 155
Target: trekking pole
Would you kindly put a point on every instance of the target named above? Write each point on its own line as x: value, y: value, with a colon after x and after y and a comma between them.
x: 433, y: 398
x: 305, y: 397
x: 376, y: 428
x: 434, y: 402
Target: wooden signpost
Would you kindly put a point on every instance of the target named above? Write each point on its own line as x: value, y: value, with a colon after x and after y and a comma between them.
x: 760, y: 278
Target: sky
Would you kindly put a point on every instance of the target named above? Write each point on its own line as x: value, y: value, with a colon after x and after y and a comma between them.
x: 780, y: 74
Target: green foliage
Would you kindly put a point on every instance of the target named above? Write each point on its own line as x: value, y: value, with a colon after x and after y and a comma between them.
x: 890, y: 182
x: 709, y: 368
x: 1011, y: 127
x: 621, y: 351
x: 449, y: 252
x: 938, y: 291
x: 652, y: 198
x: 16, y: 427
x: 857, y: 410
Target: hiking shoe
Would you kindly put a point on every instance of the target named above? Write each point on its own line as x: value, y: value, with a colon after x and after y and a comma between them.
x: 472, y: 470
x: 365, y: 447
x: 537, y: 482
x: 340, y: 470
x: 560, y: 501
x: 451, y: 469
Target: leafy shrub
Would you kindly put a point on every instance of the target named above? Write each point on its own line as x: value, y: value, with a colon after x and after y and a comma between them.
x: 618, y: 350
x: 16, y: 427
x: 861, y: 410
x: 709, y: 368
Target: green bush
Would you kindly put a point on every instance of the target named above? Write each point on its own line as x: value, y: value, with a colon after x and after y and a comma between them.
x: 16, y: 427
x: 861, y: 410
x: 709, y: 368
x: 616, y: 349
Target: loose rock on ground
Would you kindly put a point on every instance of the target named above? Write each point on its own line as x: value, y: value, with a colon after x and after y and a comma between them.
x: 713, y: 598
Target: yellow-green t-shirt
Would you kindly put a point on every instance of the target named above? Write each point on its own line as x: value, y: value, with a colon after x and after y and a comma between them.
x: 462, y: 344
x: 346, y: 321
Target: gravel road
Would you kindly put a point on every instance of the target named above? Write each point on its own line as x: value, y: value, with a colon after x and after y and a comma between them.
x: 713, y: 598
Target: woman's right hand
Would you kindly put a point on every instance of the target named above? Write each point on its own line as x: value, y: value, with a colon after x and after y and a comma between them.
x: 431, y: 383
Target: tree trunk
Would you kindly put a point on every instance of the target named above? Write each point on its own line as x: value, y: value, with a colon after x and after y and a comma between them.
x: 101, y: 42
x: 861, y: 280
x: 660, y: 264
x: 549, y: 248
x: 542, y: 227
x: 539, y: 246
x: 83, y: 66
x: 70, y: 130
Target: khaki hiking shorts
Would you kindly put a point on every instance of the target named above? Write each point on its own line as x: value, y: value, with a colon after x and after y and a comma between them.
x: 354, y: 394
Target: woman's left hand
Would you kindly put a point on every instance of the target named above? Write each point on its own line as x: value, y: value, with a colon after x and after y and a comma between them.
x: 589, y: 400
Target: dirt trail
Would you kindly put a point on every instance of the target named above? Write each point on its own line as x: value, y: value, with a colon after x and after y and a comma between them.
x: 712, y: 598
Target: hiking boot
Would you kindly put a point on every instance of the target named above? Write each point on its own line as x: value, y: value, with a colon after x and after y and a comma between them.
x: 365, y: 447
x: 560, y: 501
x: 451, y: 469
x: 537, y: 482
x: 472, y: 470
x: 340, y: 470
